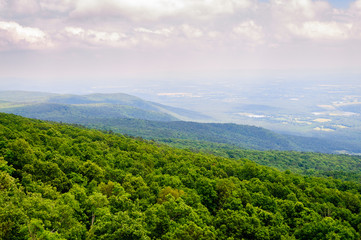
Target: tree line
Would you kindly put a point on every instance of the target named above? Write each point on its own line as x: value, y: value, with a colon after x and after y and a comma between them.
x: 59, y: 181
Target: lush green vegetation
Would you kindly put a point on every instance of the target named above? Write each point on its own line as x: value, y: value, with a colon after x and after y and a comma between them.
x: 64, y: 182
x: 345, y: 167
x: 242, y: 136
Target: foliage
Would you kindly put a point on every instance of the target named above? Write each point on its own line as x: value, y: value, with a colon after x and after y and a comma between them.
x: 345, y: 167
x: 64, y: 182
x: 241, y: 136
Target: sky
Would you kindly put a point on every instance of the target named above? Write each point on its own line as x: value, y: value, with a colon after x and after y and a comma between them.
x: 82, y: 43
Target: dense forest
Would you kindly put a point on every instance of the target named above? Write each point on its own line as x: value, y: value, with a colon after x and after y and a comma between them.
x: 340, y: 166
x: 241, y: 136
x: 59, y: 181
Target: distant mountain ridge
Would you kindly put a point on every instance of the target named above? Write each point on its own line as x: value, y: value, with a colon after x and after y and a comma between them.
x: 49, y: 106
x: 126, y: 114
x: 243, y: 136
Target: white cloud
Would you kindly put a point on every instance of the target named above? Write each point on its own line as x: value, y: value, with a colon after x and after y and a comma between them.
x: 166, y: 32
x: 18, y: 36
x: 155, y: 9
x: 307, y: 9
x: 191, y: 32
x: 250, y: 30
x: 212, y: 29
x: 75, y: 31
x: 216, y: 7
x: 96, y: 38
x: 321, y: 30
x: 356, y: 4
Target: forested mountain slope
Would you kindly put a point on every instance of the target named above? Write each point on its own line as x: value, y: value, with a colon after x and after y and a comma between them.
x: 130, y: 115
x: 242, y: 136
x: 340, y: 166
x: 62, y: 182
x: 67, y: 107
x: 84, y: 112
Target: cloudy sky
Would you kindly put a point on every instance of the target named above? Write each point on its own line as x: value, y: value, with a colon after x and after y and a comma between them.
x: 73, y: 41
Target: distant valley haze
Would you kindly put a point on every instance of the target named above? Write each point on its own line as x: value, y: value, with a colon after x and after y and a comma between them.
x: 290, y: 66
x: 329, y: 124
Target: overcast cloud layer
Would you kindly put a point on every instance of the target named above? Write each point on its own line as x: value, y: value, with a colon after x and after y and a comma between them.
x: 110, y: 38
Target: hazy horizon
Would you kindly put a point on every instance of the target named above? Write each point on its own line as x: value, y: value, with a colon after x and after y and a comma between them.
x: 116, y: 45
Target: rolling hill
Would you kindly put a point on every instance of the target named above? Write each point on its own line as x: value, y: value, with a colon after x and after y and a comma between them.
x: 130, y: 115
x: 242, y: 136
x: 63, y: 182
x: 60, y: 107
